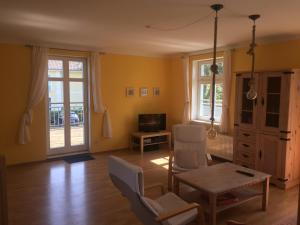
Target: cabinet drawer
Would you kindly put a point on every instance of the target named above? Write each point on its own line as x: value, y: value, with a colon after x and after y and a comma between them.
x: 245, y: 164
x: 246, y: 156
x: 246, y: 146
x: 247, y: 135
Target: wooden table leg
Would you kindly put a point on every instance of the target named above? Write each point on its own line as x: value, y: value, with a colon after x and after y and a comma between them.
x: 213, y: 209
x: 176, y: 185
x: 142, y: 145
x: 131, y: 142
x: 170, y: 142
x: 265, y: 197
x: 298, y: 218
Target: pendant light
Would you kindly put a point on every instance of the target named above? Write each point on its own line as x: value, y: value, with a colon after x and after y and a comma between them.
x: 212, y: 133
x: 252, y: 93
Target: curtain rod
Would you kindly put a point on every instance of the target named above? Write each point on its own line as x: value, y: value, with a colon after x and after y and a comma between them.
x: 65, y: 49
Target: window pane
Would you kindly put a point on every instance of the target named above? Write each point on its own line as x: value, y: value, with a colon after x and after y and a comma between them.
x: 76, y: 91
x: 55, y: 68
x: 76, y: 113
x: 56, y: 114
x: 205, y: 70
x: 77, y: 123
x: 75, y: 69
x: 220, y: 68
x: 218, y: 102
x: 205, y: 100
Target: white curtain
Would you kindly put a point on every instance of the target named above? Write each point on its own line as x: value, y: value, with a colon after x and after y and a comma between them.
x: 95, y: 69
x: 37, y: 90
x: 226, y: 92
x: 186, y: 111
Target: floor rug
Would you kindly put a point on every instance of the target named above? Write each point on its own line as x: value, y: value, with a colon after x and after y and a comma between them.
x: 78, y: 158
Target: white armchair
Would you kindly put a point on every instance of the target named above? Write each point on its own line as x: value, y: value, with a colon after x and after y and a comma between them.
x: 189, y: 150
x: 169, y: 209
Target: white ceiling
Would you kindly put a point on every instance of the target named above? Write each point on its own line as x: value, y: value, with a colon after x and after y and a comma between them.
x: 119, y: 26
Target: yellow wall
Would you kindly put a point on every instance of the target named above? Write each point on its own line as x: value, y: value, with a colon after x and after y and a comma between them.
x: 15, y: 64
x: 119, y: 72
x: 176, y: 91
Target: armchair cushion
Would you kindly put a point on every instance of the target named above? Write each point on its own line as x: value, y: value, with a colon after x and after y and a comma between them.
x: 153, y: 205
x: 186, y: 159
x: 169, y: 202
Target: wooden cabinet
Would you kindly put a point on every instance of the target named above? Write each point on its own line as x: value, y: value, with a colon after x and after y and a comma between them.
x: 269, y: 155
x: 267, y: 129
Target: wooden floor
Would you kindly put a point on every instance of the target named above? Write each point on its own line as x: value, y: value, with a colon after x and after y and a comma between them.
x: 57, y: 193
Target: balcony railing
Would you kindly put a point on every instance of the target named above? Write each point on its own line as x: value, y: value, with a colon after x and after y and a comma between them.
x: 57, y: 118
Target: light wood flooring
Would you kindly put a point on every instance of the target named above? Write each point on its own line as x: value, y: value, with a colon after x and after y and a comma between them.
x: 57, y: 193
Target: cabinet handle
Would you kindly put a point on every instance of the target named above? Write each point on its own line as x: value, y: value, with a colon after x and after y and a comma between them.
x: 255, y: 101
x: 245, y: 145
x: 245, y: 156
x: 245, y: 166
x: 262, y: 101
x: 285, y: 139
x: 282, y: 179
x: 260, y: 154
x: 246, y: 135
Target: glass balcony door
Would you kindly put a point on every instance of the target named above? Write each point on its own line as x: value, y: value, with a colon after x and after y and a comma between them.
x: 67, y: 105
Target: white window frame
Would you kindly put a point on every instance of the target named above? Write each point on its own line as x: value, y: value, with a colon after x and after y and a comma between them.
x: 68, y: 149
x: 197, y: 80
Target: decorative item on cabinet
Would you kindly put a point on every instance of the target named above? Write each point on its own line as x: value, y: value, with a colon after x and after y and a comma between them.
x: 267, y: 130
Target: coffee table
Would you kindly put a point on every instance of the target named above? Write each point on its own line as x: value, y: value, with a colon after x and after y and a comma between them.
x: 220, y: 179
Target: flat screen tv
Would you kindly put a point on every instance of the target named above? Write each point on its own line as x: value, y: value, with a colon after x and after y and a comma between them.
x: 152, y: 122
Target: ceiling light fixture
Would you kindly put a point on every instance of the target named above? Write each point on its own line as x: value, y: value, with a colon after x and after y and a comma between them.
x: 212, y: 132
x: 252, y: 93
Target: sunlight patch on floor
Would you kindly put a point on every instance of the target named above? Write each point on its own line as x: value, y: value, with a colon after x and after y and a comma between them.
x: 163, y: 162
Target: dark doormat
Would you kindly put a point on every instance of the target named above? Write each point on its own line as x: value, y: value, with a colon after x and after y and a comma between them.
x: 78, y: 158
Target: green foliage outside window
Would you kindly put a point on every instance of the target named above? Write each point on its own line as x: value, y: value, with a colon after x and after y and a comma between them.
x: 205, y: 71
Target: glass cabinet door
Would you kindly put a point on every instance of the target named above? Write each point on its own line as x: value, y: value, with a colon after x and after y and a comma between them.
x: 273, y: 101
x: 247, y: 105
x: 246, y: 108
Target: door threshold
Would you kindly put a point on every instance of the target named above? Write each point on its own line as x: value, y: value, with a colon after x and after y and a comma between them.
x: 67, y: 154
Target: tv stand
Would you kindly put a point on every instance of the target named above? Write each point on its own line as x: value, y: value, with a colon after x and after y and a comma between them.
x: 149, y: 139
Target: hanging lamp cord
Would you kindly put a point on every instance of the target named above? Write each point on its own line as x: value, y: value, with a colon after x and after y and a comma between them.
x: 253, y: 45
x: 214, y: 69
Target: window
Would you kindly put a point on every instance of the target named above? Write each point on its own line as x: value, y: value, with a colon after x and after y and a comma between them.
x: 202, y: 83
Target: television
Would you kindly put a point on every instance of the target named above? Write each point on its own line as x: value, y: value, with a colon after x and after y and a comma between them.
x: 152, y: 122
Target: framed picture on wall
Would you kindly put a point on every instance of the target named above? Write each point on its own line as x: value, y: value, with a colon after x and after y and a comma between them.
x: 143, y: 92
x: 129, y: 91
x: 156, y: 91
